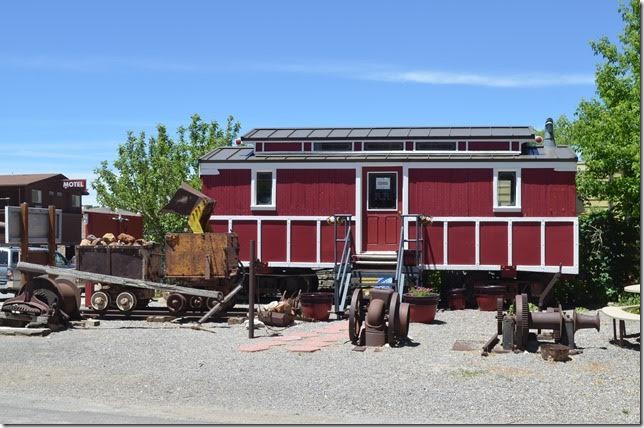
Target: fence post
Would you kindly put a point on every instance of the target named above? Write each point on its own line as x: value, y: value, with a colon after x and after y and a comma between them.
x: 251, y: 291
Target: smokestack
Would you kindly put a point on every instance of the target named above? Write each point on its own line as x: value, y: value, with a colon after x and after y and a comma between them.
x: 549, y: 137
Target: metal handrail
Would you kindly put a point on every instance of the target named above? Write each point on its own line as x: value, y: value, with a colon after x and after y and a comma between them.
x: 342, y: 267
x: 419, y: 247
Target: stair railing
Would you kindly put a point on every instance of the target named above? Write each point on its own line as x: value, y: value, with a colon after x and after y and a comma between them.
x: 419, y: 250
x: 341, y: 265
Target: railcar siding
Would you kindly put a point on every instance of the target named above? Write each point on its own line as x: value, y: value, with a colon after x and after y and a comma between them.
x: 448, y: 192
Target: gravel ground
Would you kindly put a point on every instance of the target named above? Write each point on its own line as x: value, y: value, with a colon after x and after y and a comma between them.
x: 150, y: 372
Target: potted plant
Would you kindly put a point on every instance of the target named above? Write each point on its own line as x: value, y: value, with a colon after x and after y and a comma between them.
x: 422, y: 304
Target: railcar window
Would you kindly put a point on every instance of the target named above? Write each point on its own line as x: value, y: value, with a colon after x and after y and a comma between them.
x: 436, y: 145
x: 507, y: 189
x: 264, y: 188
x: 383, y: 146
x: 333, y: 147
x: 4, y: 259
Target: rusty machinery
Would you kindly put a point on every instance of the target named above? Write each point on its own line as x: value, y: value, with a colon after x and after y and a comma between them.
x: 385, y: 319
x: 42, y: 301
x: 515, y: 329
x: 202, y: 259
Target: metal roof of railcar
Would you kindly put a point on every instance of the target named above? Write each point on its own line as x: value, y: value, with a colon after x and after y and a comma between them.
x: 341, y: 133
x: 243, y: 154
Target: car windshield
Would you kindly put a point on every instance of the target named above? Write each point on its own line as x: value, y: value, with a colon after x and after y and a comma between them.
x: 4, y: 258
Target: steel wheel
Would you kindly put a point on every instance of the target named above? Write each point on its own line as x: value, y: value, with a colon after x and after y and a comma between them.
x: 196, y: 302
x: 403, y: 316
x: 393, y: 320
x: 100, y: 301
x: 126, y: 301
x: 355, y: 316
x: 176, y: 303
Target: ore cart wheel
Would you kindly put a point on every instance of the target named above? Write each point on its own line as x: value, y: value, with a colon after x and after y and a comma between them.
x: 176, y: 303
x: 100, y: 301
x: 393, y: 319
x: 126, y: 301
x: 197, y: 303
x: 355, y: 316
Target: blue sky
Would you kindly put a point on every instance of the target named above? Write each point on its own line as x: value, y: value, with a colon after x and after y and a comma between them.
x: 76, y: 76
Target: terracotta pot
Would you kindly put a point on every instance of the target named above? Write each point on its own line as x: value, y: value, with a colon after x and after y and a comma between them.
x: 316, y: 305
x: 422, y: 309
x: 456, y: 299
x: 486, y: 296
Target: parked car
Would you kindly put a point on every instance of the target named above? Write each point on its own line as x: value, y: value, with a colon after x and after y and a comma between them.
x: 9, y: 258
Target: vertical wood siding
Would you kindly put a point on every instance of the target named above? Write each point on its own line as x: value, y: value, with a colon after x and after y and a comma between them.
x: 493, y: 243
x: 231, y: 190
x: 303, y: 241
x: 316, y: 191
x: 546, y: 192
x: 526, y: 243
x: 461, y: 243
x: 450, y: 192
x: 274, y: 241
x: 559, y: 244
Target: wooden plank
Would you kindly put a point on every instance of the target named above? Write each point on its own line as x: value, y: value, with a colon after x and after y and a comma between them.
x: 115, y: 280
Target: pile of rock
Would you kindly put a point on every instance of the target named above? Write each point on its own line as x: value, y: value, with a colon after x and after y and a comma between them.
x: 115, y: 241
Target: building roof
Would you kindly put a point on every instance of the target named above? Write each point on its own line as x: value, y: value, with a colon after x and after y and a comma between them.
x: 105, y: 210
x: 388, y: 133
x: 24, y: 179
x: 247, y: 154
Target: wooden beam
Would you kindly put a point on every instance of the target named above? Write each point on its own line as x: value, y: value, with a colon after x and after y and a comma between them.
x: 24, y: 239
x: 51, y: 236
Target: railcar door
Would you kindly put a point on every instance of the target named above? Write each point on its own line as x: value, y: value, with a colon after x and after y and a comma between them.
x: 381, y: 208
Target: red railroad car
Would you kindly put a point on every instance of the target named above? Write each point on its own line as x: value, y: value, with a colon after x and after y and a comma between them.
x: 497, y: 198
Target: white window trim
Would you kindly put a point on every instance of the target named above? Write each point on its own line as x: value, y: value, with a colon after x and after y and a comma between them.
x: 495, y: 190
x: 253, y: 191
x: 382, y: 209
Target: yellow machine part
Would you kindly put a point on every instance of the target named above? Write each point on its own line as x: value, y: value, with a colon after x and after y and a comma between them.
x: 194, y: 219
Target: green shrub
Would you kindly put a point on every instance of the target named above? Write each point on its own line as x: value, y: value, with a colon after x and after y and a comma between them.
x: 609, y: 249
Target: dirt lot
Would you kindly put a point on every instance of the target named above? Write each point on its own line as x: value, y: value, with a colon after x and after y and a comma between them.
x: 139, y: 372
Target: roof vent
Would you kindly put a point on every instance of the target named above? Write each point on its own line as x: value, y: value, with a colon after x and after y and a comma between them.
x: 549, y: 144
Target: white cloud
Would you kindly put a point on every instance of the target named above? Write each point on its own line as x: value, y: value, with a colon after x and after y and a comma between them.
x: 473, y: 79
x: 359, y: 71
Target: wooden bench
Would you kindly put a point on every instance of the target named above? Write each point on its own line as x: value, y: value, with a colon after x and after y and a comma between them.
x: 619, y: 313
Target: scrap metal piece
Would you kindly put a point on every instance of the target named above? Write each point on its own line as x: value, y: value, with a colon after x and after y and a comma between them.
x: 489, y: 345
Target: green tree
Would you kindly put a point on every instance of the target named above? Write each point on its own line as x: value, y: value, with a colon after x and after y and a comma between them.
x: 148, y: 170
x: 607, y: 129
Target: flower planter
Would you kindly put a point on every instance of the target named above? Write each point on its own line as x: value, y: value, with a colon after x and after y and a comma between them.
x: 456, y: 299
x: 316, y: 305
x: 486, y: 296
x: 422, y: 309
